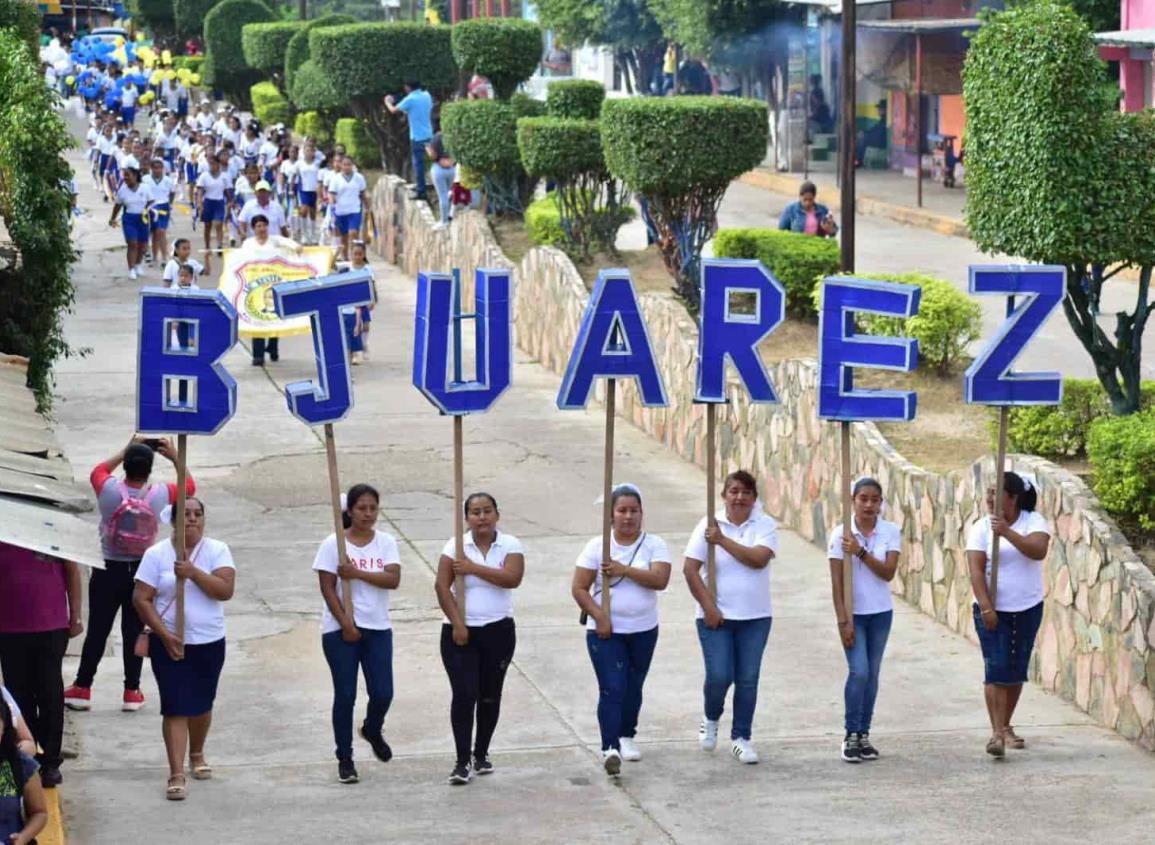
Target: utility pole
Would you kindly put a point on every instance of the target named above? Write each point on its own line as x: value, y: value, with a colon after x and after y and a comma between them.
x: 846, y: 140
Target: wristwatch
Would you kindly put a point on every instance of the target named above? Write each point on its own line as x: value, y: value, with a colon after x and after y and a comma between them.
x: 861, y: 554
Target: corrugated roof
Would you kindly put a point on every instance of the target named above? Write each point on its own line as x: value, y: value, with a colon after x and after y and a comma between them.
x: 922, y: 25
x: 1127, y: 38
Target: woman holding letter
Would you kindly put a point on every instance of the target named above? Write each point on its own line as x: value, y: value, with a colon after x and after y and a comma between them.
x: 477, y: 647
x: 363, y: 638
x: 1006, y: 627
x: 621, y: 645
x: 733, y: 620
x: 874, y: 547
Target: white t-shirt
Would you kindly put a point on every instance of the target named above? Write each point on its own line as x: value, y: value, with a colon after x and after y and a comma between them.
x: 347, y: 192
x: 288, y: 171
x: 308, y: 172
x: 1020, y: 578
x: 126, y: 160
x: 159, y: 190
x: 370, y: 604
x: 172, y: 271
x: 204, y: 617
x: 633, y: 608
x: 486, y: 602
x: 108, y: 145
x: 743, y: 593
x: 128, y: 97
x: 272, y: 211
x: 133, y: 200
x: 871, y: 593
x: 243, y: 189
x: 268, y: 153
x: 213, y: 186
x: 203, y: 121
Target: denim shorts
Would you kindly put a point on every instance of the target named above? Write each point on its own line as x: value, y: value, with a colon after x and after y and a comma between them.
x: 1007, y: 649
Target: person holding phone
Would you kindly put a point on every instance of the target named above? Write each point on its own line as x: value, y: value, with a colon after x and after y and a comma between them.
x: 806, y: 216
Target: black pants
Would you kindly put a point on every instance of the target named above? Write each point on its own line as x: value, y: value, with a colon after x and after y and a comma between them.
x: 31, y: 665
x: 476, y: 674
x: 261, y: 345
x: 110, y: 590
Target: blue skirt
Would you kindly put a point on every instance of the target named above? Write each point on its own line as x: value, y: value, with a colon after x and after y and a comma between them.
x: 188, y: 687
x: 1007, y: 649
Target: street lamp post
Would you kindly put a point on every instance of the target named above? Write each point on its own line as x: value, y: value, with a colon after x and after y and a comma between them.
x: 846, y: 145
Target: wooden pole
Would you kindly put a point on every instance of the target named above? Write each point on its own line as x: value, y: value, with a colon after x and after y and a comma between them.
x: 181, y: 475
x: 607, y: 488
x: 918, y: 113
x: 846, y: 138
x: 847, y: 531
x: 1000, y: 461
x: 459, y: 508
x: 711, y: 475
x: 338, y: 523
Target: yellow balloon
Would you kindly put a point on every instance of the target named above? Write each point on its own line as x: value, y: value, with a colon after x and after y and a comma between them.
x: 195, y: 79
x: 183, y: 74
x: 140, y: 37
x: 166, y: 56
x: 170, y: 75
x: 70, y: 80
x: 119, y: 41
x: 156, y: 77
x: 147, y: 97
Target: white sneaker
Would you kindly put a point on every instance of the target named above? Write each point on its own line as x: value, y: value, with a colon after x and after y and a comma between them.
x: 630, y: 750
x: 438, y: 226
x: 743, y: 751
x: 708, y: 735
x: 132, y: 273
x: 612, y: 761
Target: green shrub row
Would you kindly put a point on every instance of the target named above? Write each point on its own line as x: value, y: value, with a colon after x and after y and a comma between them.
x: 313, y: 90
x: 796, y: 260
x: 264, y: 45
x: 359, y: 144
x: 370, y: 60
x: 312, y: 124
x: 543, y: 221
x: 576, y: 98
x: 1122, y: 455
x: 297, y: 50
x: 193, y: 64
x: 482, y: 136
x: 269, y: 104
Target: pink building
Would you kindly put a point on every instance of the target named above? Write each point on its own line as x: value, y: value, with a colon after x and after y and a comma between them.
x: 1132, y: 49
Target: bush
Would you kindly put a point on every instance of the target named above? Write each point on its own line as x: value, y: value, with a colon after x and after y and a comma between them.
x: 482, y: 135
x: 297, y: 50
x: 224, y: 66
x: 1061, y: 431
x: 543, y: 221
x: 315, y: 125
x: 358, y: 143
x: 25, y: 19
x: 313, y: 90
x: 193, y: 64
x: 680, y: 154
x: 526, y: 106
x: 265, y: 44
x: 504, y: 50
x: 269, y: 104
x: 946, y: 323
x: 1122, y: 455
x: 35, y: 208
x: 795, y: 260
x: 189, y: 15
x: 576, y: 98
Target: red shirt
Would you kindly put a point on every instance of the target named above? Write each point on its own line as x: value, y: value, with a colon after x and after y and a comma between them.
x: 33, y: 592
x: 101, y: 473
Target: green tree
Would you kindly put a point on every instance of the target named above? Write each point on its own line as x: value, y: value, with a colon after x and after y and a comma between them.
x: 23, y: 17
x: 504, y: 50
x: 225, y: 67
x: 189, y: 15
x: 297, y: 50
x: 157, y: 15
x: 1055, y: 174
x: 699, y: 25
x: 626, y: 26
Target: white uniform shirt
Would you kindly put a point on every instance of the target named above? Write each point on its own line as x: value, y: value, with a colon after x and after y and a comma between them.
x: 133, y: 200
x: 204, y: 617
x: 871, y: 593
x: 159, y: 190
x: 633, y: 608
x: 370, y: 604
x: 272, y: 211
x: 107, y: 145
x: 172, y: 271
x: 128, y: 97
x: 308, y: 172
x: 268, y: 153
x: 347, y: 192
x: 203, y: 121
x: 1020, y: 578
x: 743, y: 593
x: 213, y: 186
x: 486, y: 602
x: 243, y: 190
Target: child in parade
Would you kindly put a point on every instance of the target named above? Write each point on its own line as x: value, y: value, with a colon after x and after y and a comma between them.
x: 135, y: 200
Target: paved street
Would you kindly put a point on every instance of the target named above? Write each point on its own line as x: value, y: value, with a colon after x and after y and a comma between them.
x: 264, y: 484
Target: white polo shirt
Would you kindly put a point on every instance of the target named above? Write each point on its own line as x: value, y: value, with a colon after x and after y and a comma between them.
x: 272, y: 211
x: 871, y: 593
x: 346, y: 192
x: 213, y: 187
x: 1020, y: 578
x: 204, y: 617
x: 633, y: 608
x: 743, y: 593
x: 486, y: 602
x: 370, y: 604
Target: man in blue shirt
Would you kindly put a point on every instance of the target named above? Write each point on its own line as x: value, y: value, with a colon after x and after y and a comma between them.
x: 417, y: 106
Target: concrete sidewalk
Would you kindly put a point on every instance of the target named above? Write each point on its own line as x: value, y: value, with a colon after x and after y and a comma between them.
x: 263, y: 479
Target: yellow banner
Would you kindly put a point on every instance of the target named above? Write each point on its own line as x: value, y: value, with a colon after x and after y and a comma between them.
x: 249, y: 273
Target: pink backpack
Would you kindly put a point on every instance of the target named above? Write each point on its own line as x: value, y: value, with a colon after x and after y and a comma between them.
x: 133, y: 526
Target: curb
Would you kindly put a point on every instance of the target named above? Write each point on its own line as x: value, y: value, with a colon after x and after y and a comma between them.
x: 53, y: 833
x: 787, y: 183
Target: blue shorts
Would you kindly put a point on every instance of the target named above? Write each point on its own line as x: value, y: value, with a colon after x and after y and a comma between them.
x: 307, y: 198
x: 269, y: 177
x: 1007, y: 649
x: 182, y: 108
x: 135, y: 229
x: 103, y: 162
x: 128, y: 115
x: 213, y: 211
x: 366, y: 314
x: 170, y: 156
x: 159, y: 216
x: 347, y: 223
x: 190, y: 173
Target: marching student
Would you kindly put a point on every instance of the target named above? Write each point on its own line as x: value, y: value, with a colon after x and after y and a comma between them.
x: 347, y: 196
x: 181, y: 257
x: 734, y: 626
x: 365, y: 312
x: 364, y: 638
x: 308, y: 175
x: 477, y: 648
x: 287, y: 189
x: 621, y: 645
x: 135, y: 200
x: 160, y: 191
x: 1006, y: 629
x: 107, y: 145
x: 211, y: 186
x: 874, y: 547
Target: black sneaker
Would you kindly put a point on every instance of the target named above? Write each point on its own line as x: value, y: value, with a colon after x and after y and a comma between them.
x: 50, y: 777
x: 460, y: 775
x: 347, y: 772
x: 865, y: 750
x: 851, y: 753
x: 381, y: 749
x: 482, y: 766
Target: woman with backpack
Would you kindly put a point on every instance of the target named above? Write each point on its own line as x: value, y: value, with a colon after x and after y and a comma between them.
x: 23, y: 808
x: 130, y: 511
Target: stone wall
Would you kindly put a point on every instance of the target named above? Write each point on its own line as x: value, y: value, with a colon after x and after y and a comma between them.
x: 1097, y: 644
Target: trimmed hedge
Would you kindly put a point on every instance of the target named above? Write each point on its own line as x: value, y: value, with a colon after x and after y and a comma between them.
x: 265, y: 44
x: 311, y: 124
x: 504, y: 50
x: 557, y: 148
x: 1122, y: 454
x: 269, y: 104
x: 189, y: 15
x: 796, y: 260
x: 359, y: 144
x: 543, y: 222
x: 526, y: 106
x: 224, y: 66
x: 575, y: 98
x: 1061, y: 431
x: 297, y: 50
x: 313, y: 90
x: 369, y: 60
x: 482, y: 135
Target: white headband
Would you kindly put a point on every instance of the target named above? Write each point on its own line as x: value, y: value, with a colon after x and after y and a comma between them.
x: 621, y: 487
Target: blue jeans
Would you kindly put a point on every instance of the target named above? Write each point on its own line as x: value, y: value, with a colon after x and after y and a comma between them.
x: 374, y: 654
x: 417, y: 152
x: 621, y: 664
x: 864, y: 660
x: 443, y: 182
x: 733, y: 655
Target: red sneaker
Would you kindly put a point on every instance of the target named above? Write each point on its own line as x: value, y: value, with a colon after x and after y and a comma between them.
x: 78, y: 698
x: 133, y: 700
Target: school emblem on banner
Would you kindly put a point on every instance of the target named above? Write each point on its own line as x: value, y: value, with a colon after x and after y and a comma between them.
x: 247, y: 280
